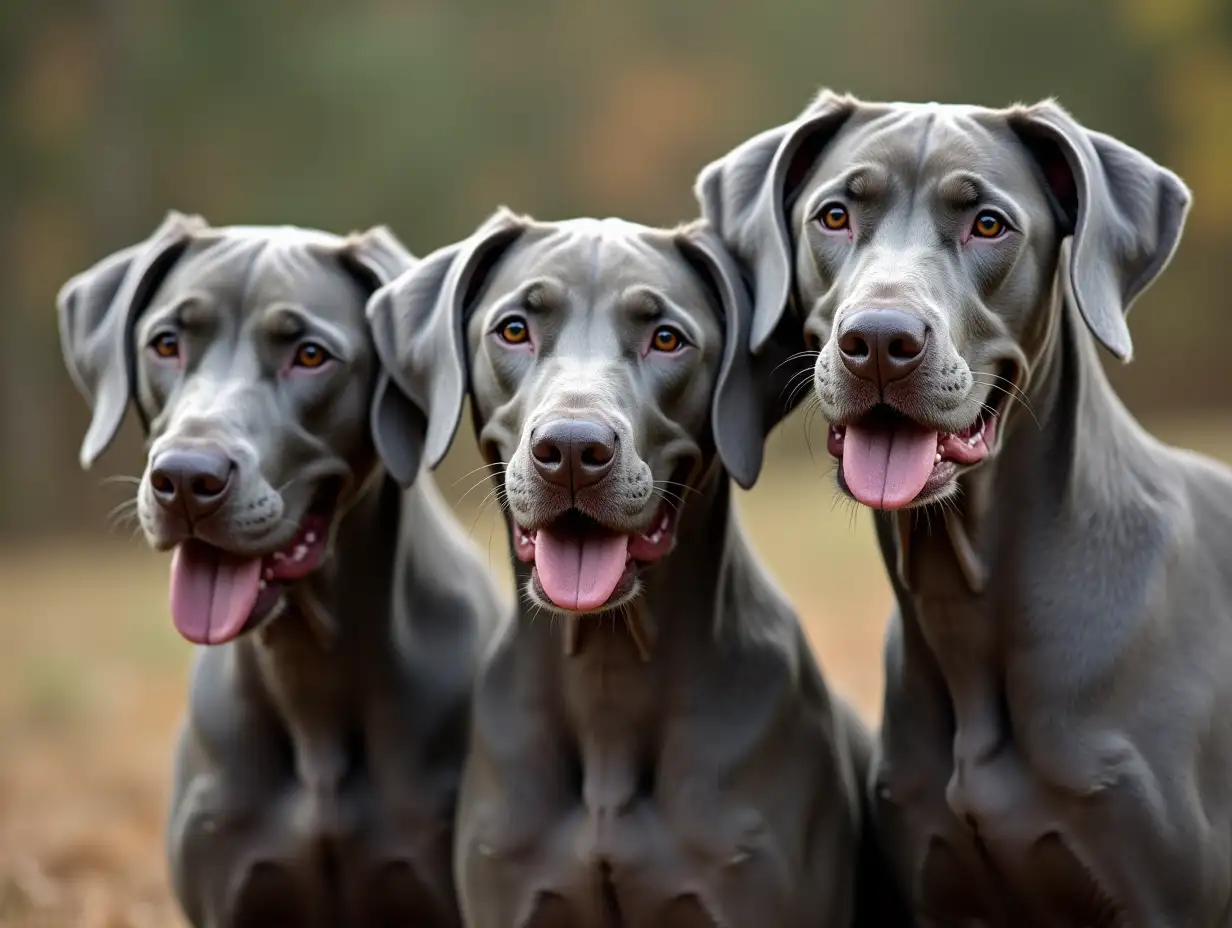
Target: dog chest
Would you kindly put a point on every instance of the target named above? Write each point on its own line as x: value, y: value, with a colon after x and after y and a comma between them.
x: 296, y: 857
x: 996, y: 815
x: 638, y: 864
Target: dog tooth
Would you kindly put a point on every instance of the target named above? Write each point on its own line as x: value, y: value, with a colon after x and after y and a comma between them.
x: 311, y: 538
x: 261, y: 585
x: 937, y: 459
x: 269, y: 573
x: 301, y: 552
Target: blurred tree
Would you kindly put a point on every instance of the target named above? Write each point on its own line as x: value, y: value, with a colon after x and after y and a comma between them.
x: 426, y: 114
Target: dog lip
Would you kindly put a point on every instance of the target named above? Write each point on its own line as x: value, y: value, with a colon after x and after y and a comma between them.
x: 645, y: 547
x: 955, y: 450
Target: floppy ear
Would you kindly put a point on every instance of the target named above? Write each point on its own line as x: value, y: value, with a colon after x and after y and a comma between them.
x: 745, y: 196
x: 750, y: 393
x: 1124, y: 211
x: 97, y: 311
x: 379, y: 257
x: 417, y: 326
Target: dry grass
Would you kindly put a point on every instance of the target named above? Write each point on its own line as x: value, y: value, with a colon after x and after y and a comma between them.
x: 92, y: 685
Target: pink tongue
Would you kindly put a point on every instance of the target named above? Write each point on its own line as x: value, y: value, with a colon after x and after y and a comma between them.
x: 580, y: 572
x: 886, y: 465
x: 212, y: 592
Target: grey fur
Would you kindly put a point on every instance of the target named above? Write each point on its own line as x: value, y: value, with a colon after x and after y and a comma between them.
x: 675, y: 758
x: 1057, y: 737
x: 316, y: 772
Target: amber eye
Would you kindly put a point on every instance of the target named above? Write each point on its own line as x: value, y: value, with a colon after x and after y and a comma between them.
x: 988, y: 225
x: 166, y: 345
x: 666, y: 339
x: 834, y: 216
x: 310, y: 355
x: 514, y: 331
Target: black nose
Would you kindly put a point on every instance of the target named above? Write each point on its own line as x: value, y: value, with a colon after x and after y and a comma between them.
x: 882, y: 345
x: 574, y: 453
x: 192, y: 482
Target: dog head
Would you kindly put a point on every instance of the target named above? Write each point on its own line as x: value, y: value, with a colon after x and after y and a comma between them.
x: 246, y: 352
x: 609, y: 368
x: 924, y: 249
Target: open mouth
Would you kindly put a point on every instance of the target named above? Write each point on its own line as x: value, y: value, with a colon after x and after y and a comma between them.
x: 216, y: 595
x: 580, y: 565
x: 890, y: 461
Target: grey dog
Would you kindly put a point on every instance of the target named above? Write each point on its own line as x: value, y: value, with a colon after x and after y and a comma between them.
x: 652, y: 744
x: 317, y: 771
x: 1057, y: 742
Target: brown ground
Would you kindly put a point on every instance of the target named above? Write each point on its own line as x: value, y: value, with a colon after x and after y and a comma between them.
x: 92, y: 685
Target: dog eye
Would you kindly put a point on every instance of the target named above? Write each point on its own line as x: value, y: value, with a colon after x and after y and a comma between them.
x: 667, y: 339
x: 166, y: 345
x: 834, y: 216
x: 989, y: 225
x: 514, y: 331
x: 310, y: 355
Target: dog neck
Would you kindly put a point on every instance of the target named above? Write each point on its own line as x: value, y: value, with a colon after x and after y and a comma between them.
x: 377, y: 605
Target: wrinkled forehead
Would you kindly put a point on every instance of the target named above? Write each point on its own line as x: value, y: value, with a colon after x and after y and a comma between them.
x: 919, y: 146
x: 245, y: 272
x: 595, y: 267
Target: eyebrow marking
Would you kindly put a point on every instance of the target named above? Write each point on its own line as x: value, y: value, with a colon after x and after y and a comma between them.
x: 858, y: 184
x: 192, y: 312
x: 535, y: 298
x: 644, y: 304
x: 862, y: 182
x: 283, y: 320
x: 962, y: 189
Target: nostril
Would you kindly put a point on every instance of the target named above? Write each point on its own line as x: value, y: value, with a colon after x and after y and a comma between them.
x: 853, y: 345
x: 905, y: 348
x: 549, y: 453
x: 596, y: 455
x: 207, y: 485
x: 162, y: 484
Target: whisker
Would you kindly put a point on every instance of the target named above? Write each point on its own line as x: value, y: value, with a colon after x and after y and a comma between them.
x: 675, y: 502
x: 798, y: 381
x: 476, y: 470
x: 1013, y: 391
x: 799, y: 388
x: 129, y: 504
x: 807, y: 353
x: 487, y: 501
x: 482, y: 480
x: 121, y: 478
x: 676, y: 483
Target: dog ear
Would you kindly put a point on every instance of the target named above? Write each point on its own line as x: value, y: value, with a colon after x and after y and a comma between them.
x: 1125, y: 213
x: 751, y: 391
x: 745, y: 196
x: 97, y: 310
x: 417, y: 324
x: 379, y: 257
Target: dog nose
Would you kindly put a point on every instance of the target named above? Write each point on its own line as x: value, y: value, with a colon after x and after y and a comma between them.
x: 882, y: 345
x: 193, y: 482
x: 574, y: 453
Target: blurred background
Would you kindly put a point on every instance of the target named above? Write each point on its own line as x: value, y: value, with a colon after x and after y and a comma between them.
x: 426, y: 114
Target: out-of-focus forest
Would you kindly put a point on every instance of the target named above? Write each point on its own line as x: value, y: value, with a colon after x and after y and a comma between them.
x: 425, y: 114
